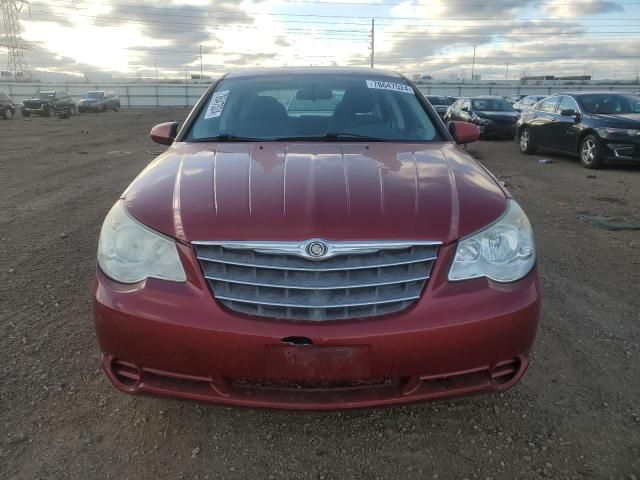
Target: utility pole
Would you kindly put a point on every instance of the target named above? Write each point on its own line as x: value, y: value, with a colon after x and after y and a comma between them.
x: 200, y: 62
x: 373, y: 40
x: 473, y: 65
x: 506, y: 75
x: 16, y: 63
x: 155, y: 64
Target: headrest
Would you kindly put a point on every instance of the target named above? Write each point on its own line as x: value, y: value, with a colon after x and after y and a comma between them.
x: 357, y: 100
x: 266, y: 108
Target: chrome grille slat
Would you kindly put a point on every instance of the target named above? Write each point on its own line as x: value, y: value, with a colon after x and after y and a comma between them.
x: 383, y: 278
x: 318, y: 287
x: 318, y: 268
x: 261, y: 303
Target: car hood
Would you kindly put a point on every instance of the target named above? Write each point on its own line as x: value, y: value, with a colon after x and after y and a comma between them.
x: 297, y: 191
x: 630, y: 120
x: 498, y: 116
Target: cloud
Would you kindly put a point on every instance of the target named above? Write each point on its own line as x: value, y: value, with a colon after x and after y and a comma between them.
x: 562, y: 8
x: 428, y: 36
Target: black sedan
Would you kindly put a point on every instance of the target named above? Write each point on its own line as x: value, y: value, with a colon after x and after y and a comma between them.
x: 598, y: 127
x: 494, y: 115
x: 99, y: 101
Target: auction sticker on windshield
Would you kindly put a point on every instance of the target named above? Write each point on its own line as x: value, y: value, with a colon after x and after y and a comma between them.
x: 216, y: 105
x: 396, y: 87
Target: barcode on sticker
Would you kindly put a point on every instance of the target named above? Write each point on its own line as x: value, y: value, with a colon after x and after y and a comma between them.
x: 218, y: 99
x: 396, y: 87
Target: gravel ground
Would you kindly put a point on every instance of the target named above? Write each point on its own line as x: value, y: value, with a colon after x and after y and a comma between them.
x: 576, y: 414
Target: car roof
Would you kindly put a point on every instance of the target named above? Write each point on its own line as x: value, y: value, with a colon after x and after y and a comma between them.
x: 486, y: 97
x: 252, y: 72
x: 593, y: 92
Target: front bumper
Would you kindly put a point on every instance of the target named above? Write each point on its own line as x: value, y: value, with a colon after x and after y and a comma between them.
x: 507, y: 130
x: 89, y: 107
x: 175, y: 340
x: 622, y: 148
x: 44, y: 110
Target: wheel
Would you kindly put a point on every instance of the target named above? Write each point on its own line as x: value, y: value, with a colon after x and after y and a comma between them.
x: 591, y: 152
x: 51, y: 112
x: 72, y: 110
x: 526, y: 145
x: 7, y: 114
x: 104, y: 108
x: 117, y: 108
x: 26, y: 114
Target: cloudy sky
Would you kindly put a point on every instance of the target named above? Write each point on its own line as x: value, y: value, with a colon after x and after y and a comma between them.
x: 437, y: 37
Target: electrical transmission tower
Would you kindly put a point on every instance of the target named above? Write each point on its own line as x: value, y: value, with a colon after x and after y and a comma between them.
x: 16, y: 63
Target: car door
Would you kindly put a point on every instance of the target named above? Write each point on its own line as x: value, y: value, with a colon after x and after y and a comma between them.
x: 544, y: 120
x: 566, y: 130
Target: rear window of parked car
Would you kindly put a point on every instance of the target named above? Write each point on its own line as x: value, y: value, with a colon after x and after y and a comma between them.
x: 309, y: 106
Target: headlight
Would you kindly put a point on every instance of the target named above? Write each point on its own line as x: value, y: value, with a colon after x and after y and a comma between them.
x: 622, y: 131
x: 479, y: 120
x: 129, y: 252
x: 504, y: 251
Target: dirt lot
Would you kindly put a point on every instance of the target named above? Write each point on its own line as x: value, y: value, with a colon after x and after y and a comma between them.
x: 575, y: 415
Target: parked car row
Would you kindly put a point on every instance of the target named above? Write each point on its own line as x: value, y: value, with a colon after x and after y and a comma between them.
x: 52, y: 103
x: 598, y: 127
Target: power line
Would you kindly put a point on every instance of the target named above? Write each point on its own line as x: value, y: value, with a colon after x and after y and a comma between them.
x: 398, y: 34
x: 309, y: 15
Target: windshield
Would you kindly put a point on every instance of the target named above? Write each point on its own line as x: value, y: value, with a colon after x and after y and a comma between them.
x: 45, y: 95
x: 97, y: 95
x: 491, y: 105
x: 608, y: 104
x: 439, y: 101
x: 313, y: 106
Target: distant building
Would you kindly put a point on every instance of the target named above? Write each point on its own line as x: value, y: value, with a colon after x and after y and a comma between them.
x: 553, y: 77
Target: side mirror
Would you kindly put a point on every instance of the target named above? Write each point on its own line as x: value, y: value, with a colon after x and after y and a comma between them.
x: 570, y: 113
x: 464, y: 132
x: 164, y: 133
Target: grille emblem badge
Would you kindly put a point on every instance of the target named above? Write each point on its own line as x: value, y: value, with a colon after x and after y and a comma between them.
x: 316, y: 249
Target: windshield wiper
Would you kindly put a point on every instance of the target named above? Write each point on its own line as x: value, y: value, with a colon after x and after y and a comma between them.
x: 331, y: 136
x: 227, y: 137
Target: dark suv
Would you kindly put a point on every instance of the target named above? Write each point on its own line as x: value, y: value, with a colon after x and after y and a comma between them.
x: 7, y: 107
x: 49, y: 103
x: 99, y: 101
x: 596, y: 126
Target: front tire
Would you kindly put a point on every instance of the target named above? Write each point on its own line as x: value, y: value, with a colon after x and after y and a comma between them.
x: 26, y: 114
x: 7, y: 114
x: 526, y: 145
x: 591, y: 152
x: 51, y: 112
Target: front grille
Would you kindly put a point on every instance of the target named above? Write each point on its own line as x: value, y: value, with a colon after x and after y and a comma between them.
x: 386, y: 278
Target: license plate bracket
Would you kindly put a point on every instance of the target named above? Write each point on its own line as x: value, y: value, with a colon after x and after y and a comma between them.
x: 293, y: 362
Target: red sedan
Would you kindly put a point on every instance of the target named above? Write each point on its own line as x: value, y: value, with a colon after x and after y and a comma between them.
x: 315, y: 239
